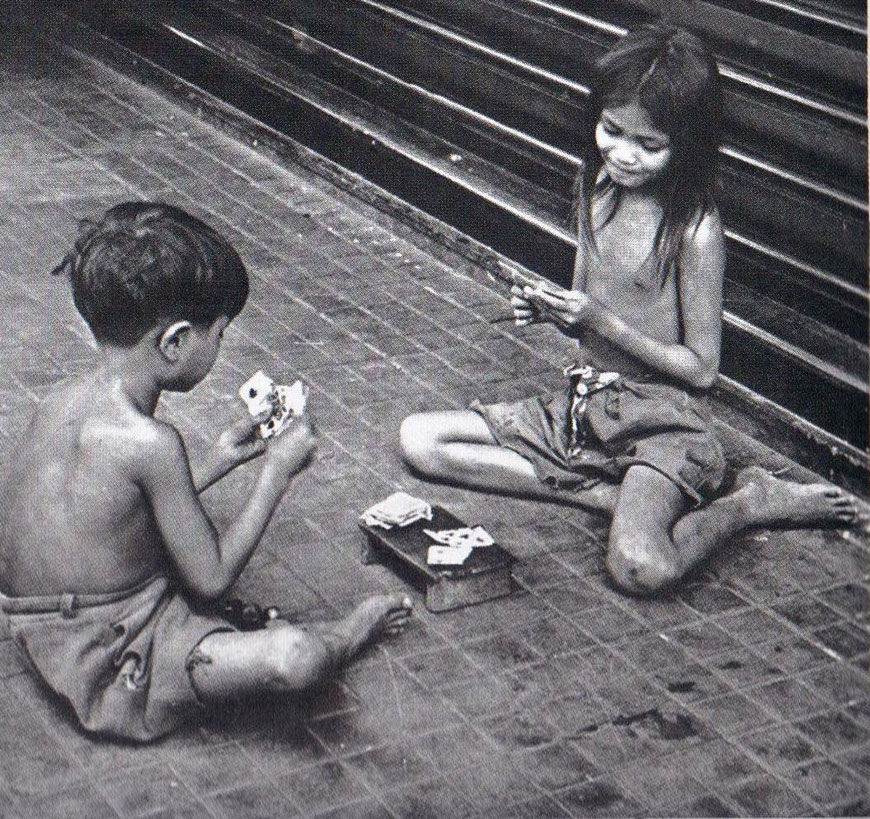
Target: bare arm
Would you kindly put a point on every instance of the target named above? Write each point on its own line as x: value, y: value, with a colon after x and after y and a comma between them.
x: 208, y: 563
x: 235, y: 445
x: 695, y: 362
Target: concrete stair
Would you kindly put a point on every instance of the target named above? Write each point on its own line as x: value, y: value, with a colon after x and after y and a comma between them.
x: 468, y: 113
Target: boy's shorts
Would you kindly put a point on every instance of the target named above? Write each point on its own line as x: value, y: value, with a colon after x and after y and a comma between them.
x: 121, y: 660
x: 625, y: 424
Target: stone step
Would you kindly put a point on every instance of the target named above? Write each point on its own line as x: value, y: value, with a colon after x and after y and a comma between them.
x: 796, y: 360
x: 823, y: 226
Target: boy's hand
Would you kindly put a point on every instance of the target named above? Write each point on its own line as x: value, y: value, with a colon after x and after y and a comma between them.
x: 290, y: 452
x: 241, y: 441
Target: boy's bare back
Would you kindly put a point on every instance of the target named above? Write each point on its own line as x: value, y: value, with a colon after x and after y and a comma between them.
x: 73, y: 516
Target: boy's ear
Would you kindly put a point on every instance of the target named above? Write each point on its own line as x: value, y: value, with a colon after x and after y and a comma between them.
x: 172, y: 340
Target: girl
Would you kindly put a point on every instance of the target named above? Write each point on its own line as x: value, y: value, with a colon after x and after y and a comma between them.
x: 631, y: 435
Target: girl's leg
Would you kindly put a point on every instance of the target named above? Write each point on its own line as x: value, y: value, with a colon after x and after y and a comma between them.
x: 652, y: 543
x: 456, y: 446
x: 285, y: 657
x: 641, y: 557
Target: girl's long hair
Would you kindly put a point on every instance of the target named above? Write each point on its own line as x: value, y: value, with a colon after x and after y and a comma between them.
x: 673, y: 77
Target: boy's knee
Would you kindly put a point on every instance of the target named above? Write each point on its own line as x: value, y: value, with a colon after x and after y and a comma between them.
x: 296, y: 659
x: 641, y: 568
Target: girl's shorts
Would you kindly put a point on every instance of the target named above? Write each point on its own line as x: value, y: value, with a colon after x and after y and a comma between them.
x: 628, y: 423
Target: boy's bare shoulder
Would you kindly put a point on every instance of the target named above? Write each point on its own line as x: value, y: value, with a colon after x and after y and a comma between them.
x: 155, y: 445
x: 108, y: 423
x: 147, y: 451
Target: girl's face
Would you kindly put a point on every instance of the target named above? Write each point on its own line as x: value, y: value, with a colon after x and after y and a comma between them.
x: 634, y: 151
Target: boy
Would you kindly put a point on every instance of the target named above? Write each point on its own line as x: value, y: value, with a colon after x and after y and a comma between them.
x: 105, y: 551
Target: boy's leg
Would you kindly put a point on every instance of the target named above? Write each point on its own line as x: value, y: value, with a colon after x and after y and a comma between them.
x: 457, y: 446
x: 285, y: 657
x: 652, y: 543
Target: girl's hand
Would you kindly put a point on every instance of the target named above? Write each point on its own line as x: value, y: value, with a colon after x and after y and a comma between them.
x: 570, y: 310
x: 241, y: 441
x: 524, y: 311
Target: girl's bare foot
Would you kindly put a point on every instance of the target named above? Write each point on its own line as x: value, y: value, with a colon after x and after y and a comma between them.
x: 770, y: 500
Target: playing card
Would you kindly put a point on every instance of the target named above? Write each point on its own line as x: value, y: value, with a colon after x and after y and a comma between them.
x: 256, y: 392
x: 399, y: 504
x: 447, y: 555
x: 294, y: 398
x: 275, y: 425
x: 287, y: 403
x: 399, y: 509
x: 465, y: 536
x: 261, y: 394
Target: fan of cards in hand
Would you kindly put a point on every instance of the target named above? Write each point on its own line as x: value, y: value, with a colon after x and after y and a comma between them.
x: 399, y: 509
x: 261, y: 394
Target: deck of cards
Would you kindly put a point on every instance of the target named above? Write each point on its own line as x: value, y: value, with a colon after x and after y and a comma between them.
x: 459, y: 565
x: 399, y: 509
x: 457, y: 545
x: 261, y: 394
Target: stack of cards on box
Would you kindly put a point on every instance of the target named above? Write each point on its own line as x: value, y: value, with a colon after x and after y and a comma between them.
x: 399, y: 509
x: 458, y: 544
x: 260, y: 394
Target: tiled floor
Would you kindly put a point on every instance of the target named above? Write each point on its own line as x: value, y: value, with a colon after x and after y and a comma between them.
x: 747, y: 693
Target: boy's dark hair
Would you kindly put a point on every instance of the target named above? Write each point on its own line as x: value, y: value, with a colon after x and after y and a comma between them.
x: 147, y: 262
x: 671, y: 74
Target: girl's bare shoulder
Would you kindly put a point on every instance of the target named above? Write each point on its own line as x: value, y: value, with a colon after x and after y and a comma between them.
x: 705, y: 231
x: 702, y: 263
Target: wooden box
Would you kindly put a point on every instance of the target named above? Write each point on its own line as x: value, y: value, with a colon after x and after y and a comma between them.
x: 485, y: 574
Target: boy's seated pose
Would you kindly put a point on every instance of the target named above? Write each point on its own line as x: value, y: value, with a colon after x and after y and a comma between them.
x: 106, y: 555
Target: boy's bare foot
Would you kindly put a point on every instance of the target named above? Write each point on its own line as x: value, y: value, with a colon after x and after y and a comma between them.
x: 771, y: 500
x: 376, y: 616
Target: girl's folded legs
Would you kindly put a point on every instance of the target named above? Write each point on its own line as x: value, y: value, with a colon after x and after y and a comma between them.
x: 456, y: 446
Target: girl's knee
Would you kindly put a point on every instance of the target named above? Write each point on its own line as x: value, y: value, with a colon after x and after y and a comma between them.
x: 641, y: 567
x: 413, y: 438
x: 296, y: 660
x: 418, y: 438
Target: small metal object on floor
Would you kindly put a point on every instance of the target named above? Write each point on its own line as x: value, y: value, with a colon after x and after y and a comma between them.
x: 485, y: 574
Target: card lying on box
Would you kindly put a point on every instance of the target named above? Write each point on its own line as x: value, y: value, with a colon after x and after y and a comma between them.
x: 464, y: 536
x: 458, y: 544
x: 448, y: 555
x: 261, y: 394
x: 399, y: 509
